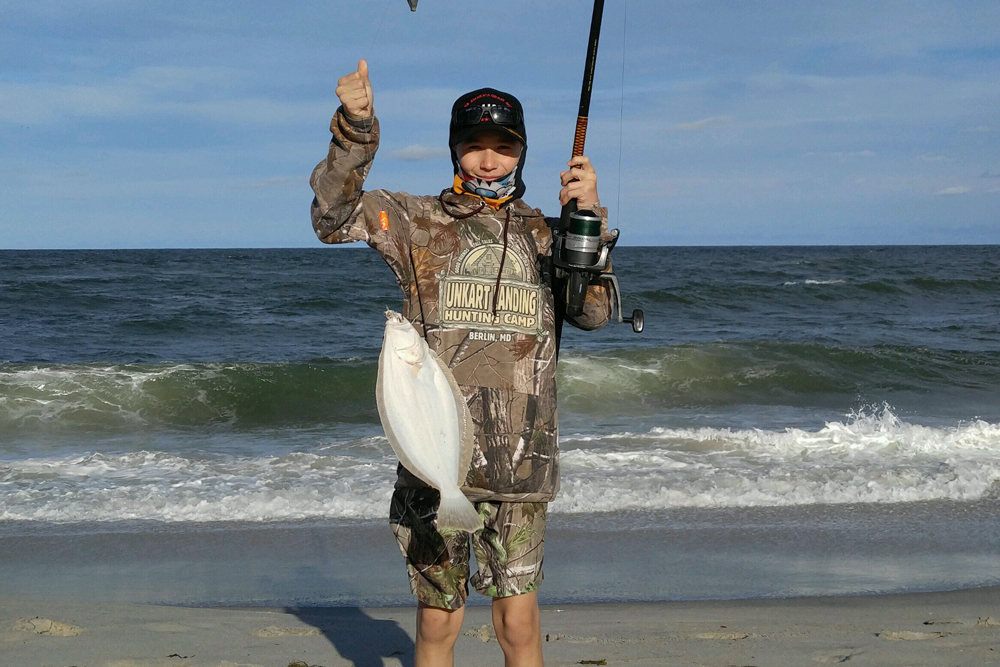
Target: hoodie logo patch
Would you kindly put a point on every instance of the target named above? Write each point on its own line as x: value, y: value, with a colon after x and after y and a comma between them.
x: 466, y: 296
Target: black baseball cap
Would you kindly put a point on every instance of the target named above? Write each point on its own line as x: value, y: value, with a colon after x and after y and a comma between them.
x: 486, y: 109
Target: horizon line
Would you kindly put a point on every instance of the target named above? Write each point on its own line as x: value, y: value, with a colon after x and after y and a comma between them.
x: 354, y: 246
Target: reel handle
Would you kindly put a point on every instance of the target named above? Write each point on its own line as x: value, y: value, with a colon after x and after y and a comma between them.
x: 636, y: 320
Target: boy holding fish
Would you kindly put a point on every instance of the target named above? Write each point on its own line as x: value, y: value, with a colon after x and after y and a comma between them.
x: 473, y: 266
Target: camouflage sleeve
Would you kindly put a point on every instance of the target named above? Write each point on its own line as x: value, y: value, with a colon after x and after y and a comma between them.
x: 598, y: 304
x: 342, y: 212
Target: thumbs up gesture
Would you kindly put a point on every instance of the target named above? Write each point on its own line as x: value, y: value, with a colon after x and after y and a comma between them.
x: 355, y: 93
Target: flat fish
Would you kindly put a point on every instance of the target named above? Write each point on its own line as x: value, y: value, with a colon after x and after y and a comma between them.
x: 426, y: 419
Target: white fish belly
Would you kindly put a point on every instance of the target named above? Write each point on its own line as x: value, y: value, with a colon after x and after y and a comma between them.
x: 420, y: 407
x: 426, y: 420
x: 421, y: 411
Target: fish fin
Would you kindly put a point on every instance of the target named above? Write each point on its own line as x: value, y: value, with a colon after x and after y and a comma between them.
x: 467, y: 427
x: 384, y: 417
x: 457, y: 512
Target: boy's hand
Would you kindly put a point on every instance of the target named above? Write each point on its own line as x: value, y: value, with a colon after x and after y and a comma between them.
x: 579, y: 183
x: 355, y: 93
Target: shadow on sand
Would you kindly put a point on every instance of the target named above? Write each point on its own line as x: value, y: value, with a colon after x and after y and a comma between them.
x: 358, y: 637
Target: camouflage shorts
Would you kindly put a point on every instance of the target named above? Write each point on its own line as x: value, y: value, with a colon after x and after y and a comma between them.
x: 508, y: 548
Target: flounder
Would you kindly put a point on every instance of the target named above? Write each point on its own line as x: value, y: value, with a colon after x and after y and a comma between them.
x: 426, y: 419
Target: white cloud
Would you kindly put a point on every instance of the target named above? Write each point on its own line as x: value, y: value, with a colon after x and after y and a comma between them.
x: 273, y: 182
x: 251, y: 110
x: 185, y: 78
x: 935, y: 157
x: 31, y: 104
x: 152, y: 92
x: 844, y: 154
x: 773, y: 80
x: 711, y: 121
x: 989, y: 173
x: 217, y: 94
x: 958, y: 190
x: 418, y: 153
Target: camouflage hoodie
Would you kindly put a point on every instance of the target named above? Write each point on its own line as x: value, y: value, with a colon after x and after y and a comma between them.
x: 446, y: 252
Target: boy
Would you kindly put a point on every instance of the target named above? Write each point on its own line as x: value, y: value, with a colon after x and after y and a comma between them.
x: 472, y: 266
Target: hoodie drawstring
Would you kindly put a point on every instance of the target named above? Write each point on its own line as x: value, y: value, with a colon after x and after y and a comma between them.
x: 459, y: 216
x: 503, y: 257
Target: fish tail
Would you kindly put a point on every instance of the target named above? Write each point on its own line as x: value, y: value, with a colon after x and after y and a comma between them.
x: 458, y: 513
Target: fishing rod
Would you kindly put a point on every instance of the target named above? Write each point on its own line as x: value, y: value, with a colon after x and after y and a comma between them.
x: 578, y: 255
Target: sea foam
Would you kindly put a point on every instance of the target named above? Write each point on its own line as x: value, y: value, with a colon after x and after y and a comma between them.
x: 867, y: 458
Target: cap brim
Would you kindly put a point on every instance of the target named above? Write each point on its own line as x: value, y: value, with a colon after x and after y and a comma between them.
x: 464, y: 133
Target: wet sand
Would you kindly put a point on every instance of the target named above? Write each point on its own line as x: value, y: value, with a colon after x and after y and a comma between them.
x: 912, y: 629
x: 682, y: 554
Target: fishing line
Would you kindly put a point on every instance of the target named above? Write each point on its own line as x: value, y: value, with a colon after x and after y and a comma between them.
x: 369, y: 154
x: 368, y: 54
x: 385, y: 9
x: 621, y: 117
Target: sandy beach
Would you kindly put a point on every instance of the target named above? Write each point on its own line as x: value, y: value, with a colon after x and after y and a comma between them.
x: 944, y: 628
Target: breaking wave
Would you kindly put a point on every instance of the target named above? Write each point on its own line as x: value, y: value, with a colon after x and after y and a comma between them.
x: 123, y: 397
x: 867, y: 458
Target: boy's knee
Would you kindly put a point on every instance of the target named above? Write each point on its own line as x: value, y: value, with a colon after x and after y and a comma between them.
x: 518, y: 627
x: 439, y: 626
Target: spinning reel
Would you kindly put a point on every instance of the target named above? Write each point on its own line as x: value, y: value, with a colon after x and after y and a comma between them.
x: 580, y: 258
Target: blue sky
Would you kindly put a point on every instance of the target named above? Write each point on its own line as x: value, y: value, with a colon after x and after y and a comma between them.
x: 196, y: 124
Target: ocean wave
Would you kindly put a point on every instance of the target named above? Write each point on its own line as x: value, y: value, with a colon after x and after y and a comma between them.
x: 122, y: 397
x: 989, y: 283
x: 868, y: 458
x: 812, y: 281
x: 167, y: 487
x: 763, y: 373
x: 756, y: 289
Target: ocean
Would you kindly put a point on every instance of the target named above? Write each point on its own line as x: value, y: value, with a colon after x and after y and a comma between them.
x: 199, y: 426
